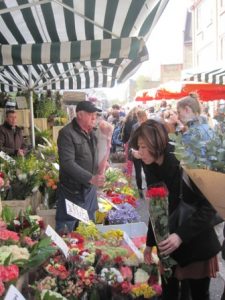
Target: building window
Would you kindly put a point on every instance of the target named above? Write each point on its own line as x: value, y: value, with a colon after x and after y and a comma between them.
x: 222, y: 3
x: 204, y: 14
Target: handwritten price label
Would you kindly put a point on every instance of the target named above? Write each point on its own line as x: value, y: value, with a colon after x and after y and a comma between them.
x: 133, y: 247
x: 13, y: 294
x: 6, y: 157
x: 57, y: 240
x: 77, y: 212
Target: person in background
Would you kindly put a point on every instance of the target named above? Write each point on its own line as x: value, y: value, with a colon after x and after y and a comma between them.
x: 129, y: 121
x: 141, y: 118
x: 172, y: 123
x: 11, y: 136
x: 114, y: 117
x: 189, y: 113
x: 193, y: 244
x: 78, y: 161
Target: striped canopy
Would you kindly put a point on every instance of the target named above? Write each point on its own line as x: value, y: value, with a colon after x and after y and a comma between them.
x: 73, y: 44
x: 212, y: 75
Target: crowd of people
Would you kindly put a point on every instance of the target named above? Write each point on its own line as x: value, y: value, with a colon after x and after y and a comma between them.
x: 144, y: 137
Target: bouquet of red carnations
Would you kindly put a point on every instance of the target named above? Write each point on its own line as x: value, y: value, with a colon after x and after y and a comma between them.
x: 158, y: 208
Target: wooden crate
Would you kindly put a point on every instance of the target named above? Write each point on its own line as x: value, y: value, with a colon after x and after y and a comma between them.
x: 55, y: 132
x: 21, y: 205
x: 2, y: 115
x: 23, y: 117
x: 41, y: 123
x: 48, y: 216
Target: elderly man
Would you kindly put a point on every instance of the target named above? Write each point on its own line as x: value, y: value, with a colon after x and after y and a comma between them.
x: 11, y: 137
x: 78, y: 157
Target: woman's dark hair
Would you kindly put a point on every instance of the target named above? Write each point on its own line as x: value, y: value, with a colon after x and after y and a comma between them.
x: 155, y: 136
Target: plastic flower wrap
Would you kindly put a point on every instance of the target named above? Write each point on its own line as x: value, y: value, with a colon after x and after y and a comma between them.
x: 159, y: 217
x: 124, y: 214
x: 104, y: 135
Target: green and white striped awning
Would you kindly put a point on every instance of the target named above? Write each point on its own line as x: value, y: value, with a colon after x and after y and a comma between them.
x: 71, y: 44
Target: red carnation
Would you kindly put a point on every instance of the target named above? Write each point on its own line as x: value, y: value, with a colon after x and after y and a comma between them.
x: 2, y: 288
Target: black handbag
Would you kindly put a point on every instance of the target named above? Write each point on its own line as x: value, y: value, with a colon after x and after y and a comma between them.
x: 180, y: 215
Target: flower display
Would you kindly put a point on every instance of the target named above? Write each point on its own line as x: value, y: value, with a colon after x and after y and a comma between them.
x: 124, y: 214
x: 23, y: 177
x: 159, y: 217
x: 95, y: 268
x: 22, y: 246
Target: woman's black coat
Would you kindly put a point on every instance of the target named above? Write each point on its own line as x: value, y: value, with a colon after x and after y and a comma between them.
x: 199, y: 240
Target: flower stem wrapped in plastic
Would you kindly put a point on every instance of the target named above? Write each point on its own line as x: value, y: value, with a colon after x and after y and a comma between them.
x: 159, y: 217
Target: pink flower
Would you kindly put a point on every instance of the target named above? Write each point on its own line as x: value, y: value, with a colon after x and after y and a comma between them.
x: 2, y: 225
x: 157, y: 288
x: 28, y: 241
x: 126, y: 287
x: 126, y: 273
x: 8, y: 235
x: 2, y: 288
x: 9, y: 273
x: 1, y: 182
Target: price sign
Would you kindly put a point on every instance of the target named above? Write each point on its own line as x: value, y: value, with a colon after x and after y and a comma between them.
x: 77, y: 212
x: 6, y: 157
x: 133, y: 247
x: 13, y: 294
x: 57, y: 240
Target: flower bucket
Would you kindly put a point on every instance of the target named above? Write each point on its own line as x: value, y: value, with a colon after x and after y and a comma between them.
x: 48, y: 216
x: 21, y: 205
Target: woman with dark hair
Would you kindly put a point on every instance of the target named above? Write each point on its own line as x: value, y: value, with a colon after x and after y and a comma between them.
x: 193, y: 244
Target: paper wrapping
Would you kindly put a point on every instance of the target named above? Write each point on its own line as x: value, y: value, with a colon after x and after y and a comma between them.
x: 104, y: 136
x: 212, y: 186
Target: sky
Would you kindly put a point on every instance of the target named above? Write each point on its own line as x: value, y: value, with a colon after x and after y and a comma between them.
x: 165, y: 45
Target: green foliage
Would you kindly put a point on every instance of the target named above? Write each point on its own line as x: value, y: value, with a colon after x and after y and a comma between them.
x: 201, y: 154
x: 45, y: 108
x: 40, y: 253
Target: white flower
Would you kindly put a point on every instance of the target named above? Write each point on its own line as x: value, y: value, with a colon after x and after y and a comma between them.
x: 22, y: 177
x: 16, y: 222
x: 50, y: 294
x: 141, y: 276
x: 155, y: 258
x: 35, y: 189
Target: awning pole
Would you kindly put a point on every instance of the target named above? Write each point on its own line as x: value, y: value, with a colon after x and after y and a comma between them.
x: 31, y: 108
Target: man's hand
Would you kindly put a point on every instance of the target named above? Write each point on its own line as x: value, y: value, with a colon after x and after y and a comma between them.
x: 20, y: 152
x: 98, y: 180
x: 170, y: 244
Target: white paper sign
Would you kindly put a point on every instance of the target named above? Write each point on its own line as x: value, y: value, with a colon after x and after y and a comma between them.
x: 56, y: 166
x: 57, y: 240
x: 6, y: 157
x: 13, y: 294
x: 133, y: 247
x: 77, y: 212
